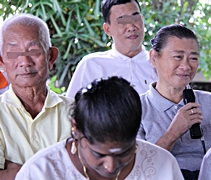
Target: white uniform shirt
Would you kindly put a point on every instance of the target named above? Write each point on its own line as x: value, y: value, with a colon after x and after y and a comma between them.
x: 205, y: 170
x: 54, y: 163
x: 137, y: 70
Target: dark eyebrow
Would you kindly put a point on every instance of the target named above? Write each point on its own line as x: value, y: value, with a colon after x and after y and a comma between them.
x: 195, y: 53
x: 135, y: 13
x: 177, y: 51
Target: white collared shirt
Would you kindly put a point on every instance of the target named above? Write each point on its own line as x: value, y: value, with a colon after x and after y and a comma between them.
x: 137, y: 70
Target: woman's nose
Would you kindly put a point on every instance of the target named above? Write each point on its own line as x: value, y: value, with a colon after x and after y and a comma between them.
x: 185, y: 64
x: 110, y: 164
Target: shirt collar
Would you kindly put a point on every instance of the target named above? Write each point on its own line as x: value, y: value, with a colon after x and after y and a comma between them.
x: 161, y: 104
x: 143, y: 55
x: 9, y: 97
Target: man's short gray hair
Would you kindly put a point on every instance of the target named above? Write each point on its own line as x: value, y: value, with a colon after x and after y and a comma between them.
x: 27, y: 20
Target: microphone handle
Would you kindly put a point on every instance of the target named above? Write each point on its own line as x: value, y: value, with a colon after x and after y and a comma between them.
x: 195, y: 130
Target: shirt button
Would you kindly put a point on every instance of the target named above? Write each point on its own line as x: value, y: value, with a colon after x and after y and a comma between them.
x: 175, y: 107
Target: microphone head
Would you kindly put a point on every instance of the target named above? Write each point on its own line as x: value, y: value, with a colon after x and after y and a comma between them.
x: 188, y: 96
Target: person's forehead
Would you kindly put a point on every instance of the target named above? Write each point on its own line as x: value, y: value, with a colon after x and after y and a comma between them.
x: 17, y: 24
x: 171, y: 40
x: 128, y: 8
x: 182, y: 45
x: 17, y: 29
x: 112, y: 147
x: 21, y: 33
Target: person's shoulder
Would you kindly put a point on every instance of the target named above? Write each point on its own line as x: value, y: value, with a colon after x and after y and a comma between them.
x: 59, y: 146
x: 143, y: 95
x: 95, y: 56
x: 66, y: 98
x: 208, y: 155
x: 91, y: 62
x: 52, y: 148
x: 202, y: 95
x: 9, y: 97
x: 161, y: 162
x: 144, y: 98
x: 202, y: 92
x: 153, y: 149
x: 39, y: 166
x: 62, y: 97
x: 150, y: 91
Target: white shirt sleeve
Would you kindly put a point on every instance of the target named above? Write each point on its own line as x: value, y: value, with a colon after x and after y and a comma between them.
x: 205, y: 170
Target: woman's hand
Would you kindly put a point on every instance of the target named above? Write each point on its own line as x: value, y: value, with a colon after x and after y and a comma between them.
x: 182, y: 122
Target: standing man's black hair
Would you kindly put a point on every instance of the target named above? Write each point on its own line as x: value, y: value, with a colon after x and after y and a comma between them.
x: 106, y: 6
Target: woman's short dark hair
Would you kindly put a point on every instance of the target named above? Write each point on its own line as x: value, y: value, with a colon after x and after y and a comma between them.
x: 108, y: 110
x: 106, y: 6
x: 174, y: 30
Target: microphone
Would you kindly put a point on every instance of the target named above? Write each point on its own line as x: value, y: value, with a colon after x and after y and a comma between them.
x: 195, y: 130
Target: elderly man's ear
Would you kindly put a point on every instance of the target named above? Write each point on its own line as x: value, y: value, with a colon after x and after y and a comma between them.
x: 54, y: 52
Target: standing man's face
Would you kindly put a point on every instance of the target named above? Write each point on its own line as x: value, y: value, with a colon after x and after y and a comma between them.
x: 126, y: 28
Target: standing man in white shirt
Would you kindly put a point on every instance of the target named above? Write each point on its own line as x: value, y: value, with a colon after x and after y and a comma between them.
x: 127, y: 58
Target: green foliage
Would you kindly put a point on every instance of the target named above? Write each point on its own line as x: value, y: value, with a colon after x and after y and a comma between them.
x: 76, y: 27
x: 52, y: 84
x: 160, y: 14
